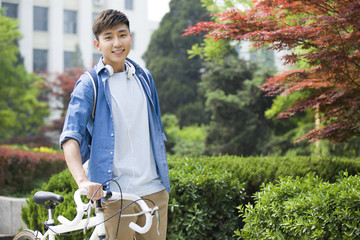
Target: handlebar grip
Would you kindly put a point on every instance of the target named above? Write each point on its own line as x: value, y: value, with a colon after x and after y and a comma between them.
x: 145, y: 228
x: 144, y: 207
x: 80, y: 209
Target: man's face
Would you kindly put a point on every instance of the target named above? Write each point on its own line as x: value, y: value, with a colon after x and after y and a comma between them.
x: 115, y: 45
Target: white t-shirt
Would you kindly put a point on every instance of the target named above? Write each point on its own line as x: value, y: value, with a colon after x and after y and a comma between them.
x: 134, y: 165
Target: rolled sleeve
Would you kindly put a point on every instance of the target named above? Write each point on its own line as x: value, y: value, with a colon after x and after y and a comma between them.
x: 66, y: 135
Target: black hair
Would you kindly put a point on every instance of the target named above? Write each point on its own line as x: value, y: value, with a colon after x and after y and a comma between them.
x: 108, y: 19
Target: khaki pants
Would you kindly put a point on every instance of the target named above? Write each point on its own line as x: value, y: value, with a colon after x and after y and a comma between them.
x: 160, y: 199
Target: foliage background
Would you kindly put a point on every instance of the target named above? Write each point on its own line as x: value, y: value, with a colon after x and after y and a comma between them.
x: 23, y: 105
x: 176, y: 76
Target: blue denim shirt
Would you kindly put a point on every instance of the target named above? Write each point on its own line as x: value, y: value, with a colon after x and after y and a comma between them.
x: 103, y: 138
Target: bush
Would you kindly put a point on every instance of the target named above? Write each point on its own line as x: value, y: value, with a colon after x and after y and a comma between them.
x: 203, y: 203
x: 34, y: 215
x: 254, y: 171
x: 188, y: 140
x: 304, y: 208
x: 207, y: 190
x: 21, y: 171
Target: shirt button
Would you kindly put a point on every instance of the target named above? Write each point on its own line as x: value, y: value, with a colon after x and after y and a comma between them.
x: 112, y: 134
x: 111, y: 153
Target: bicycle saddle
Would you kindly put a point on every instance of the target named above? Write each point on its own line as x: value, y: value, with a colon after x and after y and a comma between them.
x: 42, y: 197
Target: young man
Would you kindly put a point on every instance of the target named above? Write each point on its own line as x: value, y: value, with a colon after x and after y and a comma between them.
x: 127, y: 136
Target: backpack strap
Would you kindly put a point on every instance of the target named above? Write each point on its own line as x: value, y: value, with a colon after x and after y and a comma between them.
x: 93, y: 76
x: 90, y: 124
x: 147, y: 79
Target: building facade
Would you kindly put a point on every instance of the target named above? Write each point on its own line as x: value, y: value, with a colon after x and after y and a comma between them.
x: 56, y: 31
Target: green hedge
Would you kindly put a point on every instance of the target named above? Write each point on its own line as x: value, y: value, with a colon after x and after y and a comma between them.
x: 203, y: 203
x: 207, y: 190
x: 305, y: 208
x: 21, y: 170
x: 254, y: 171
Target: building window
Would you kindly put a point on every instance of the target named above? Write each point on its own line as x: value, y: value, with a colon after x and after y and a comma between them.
x: 11, y: 9
x: 40, y: 60
x: 129, y: 4
x: 68, y: 59
x: 98, y: 3
x: 70, y: 21
x: 40, y: 18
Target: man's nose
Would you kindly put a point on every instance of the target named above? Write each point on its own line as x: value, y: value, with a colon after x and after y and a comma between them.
x: 117, y: 42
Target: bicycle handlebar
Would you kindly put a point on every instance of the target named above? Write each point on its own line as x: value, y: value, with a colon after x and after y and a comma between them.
x: 81, y: 208
x: 144, y: 207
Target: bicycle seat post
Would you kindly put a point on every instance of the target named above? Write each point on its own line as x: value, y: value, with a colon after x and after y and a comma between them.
x: 51, y: 216
x: 49, y: 200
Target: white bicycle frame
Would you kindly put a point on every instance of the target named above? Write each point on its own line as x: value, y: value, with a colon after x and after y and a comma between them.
x: 78, y: 223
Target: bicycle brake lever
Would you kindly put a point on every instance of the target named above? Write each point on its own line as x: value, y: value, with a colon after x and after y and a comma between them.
x: 88, y: 211
x: 156, y: 211
x: 158, y: 222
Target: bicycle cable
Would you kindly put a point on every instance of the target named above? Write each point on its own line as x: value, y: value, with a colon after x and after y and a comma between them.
x: 118, y: 212
x: 154, y: 211
x: 89, y: 206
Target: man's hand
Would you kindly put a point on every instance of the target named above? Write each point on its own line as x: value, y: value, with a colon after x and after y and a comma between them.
x: 93, y: 189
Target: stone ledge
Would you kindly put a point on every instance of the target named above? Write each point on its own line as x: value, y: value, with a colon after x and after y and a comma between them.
x: 10, y: 213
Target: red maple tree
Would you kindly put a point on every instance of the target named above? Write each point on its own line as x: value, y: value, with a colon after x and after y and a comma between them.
x: 328, y: 34
x: 64, y: 82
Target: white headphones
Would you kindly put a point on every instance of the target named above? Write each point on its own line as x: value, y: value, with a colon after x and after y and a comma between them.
x: 110, y: 69
x: 131, y: 69
x: 129, y: 66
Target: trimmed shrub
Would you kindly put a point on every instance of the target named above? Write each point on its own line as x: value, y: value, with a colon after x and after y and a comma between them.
x: 254, y: 171
x: 304, y: 208
x: 203, y: 203
x: 207, y: 190
x: 20, y: 170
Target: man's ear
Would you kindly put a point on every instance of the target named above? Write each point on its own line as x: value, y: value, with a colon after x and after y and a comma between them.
x: 97, y: 45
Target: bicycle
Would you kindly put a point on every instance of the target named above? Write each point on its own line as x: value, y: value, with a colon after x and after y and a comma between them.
x: 50, y: 200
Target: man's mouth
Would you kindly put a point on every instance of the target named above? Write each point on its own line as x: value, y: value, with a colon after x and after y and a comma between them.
x: 119, y: 51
